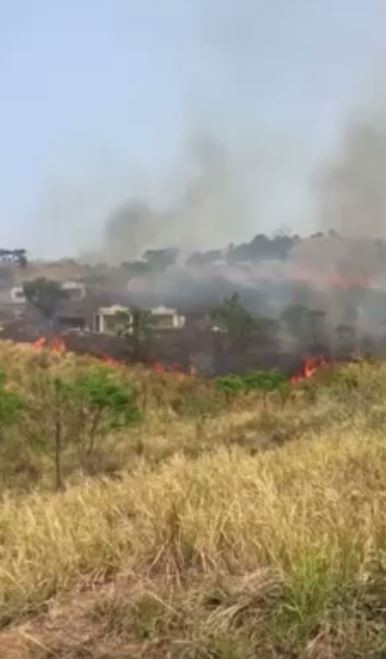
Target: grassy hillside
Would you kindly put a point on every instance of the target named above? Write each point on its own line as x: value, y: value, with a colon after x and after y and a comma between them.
x: 214, y: 525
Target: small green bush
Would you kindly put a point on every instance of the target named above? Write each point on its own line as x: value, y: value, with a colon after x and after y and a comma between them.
x: 10, y: 403
x: 264, y: 381
x: 73, y: 412
x: 231, y: 385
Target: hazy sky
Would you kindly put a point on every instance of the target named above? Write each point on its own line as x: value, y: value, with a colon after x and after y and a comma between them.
x: 98, y: 99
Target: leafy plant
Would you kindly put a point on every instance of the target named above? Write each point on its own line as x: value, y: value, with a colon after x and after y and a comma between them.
x: 45, y: 294
x: 73, y: 411
x: 106, y: 406
x: 230, y: 385
x: 199, y: 405
x: 234, y: 319
x: 265, y: 381
x: 10, y: 404
x: 136, y: 328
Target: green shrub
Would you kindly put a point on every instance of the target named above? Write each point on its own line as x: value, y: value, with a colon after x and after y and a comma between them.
x: 10, y: 404
x: 231, y: 385
x: 264, y: 381
x: 73, y: 410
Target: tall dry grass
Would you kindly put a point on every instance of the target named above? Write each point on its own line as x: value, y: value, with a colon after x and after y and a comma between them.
x: 255, y: 531
x: 310, y: 515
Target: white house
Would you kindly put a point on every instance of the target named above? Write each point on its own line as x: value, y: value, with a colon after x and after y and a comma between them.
x: 17, y: 295
x: 164, y: 318
x: 108, y: 319
x: 75, y: 290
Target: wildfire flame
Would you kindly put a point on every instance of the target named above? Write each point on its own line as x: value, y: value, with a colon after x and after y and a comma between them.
x: 39, y: 344
x: 309, y: 368
x: 58, y: 345
x: 111, y: 361
x: 174, y: 369
x: 332, y: 279
x: 55, y: 345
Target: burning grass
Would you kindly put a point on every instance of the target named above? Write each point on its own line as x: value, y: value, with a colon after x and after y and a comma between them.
x: 237, y: 527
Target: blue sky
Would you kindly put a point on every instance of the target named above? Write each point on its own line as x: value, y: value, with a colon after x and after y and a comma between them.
x: 99, y: 98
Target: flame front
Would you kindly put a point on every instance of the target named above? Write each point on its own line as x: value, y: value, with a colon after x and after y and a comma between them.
x: 111, y: 361
x: 309, y: 368
x: 55, y: 345
x: 39, y: 344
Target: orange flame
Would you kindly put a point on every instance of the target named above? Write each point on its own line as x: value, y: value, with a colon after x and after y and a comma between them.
x: 308, y: 370
x: 158, y: 367
x: 39, y: 344
x: 55, y: 345
x: 329, y: 279
x: 173, y: 369
x: 111, y: 361
x: 58, y: 345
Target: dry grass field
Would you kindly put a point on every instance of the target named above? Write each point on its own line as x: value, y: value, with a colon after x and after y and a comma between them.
x: 213, y: 527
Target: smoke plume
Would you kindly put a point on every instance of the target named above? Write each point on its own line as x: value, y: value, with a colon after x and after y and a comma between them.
x: 354, y: 185
x: 210, y: 204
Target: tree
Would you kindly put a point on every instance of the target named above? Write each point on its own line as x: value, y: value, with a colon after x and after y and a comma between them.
x: 46, y: 295
x: 51, y: 418
x: 318, y: 331
x: 106, y: 406
x: 136, y: 268
x: 296, y: 317
x: 234, y: 319
x: 161, y: 259
x: 264, y: 381
x: 10, y: 404
x: 136, y: 327
x: 73, y: 411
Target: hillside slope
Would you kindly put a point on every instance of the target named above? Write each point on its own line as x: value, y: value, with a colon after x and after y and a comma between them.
x: 246, y: 528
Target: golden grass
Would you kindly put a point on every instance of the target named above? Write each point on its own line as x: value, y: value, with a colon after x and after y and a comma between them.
x: 311, y: 514
x: 206, y: 545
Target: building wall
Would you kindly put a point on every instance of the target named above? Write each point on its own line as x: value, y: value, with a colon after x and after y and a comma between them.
x: 163, y: 322
x: 107, y: 320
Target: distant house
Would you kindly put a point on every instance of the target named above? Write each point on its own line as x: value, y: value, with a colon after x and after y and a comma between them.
x: 75, y: 290
x: 73, y: 316
x: 12, y: 301
x: 165, y: 318
x: 17, y: 295
x: 108, y: 319
x: 198, y: 321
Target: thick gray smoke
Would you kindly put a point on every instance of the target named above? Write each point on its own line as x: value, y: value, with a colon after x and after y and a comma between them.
x: 128, y: 232
x: 240, y: 173
x: 354, y: 186
x: 209, y: 205
x: 353, y: 202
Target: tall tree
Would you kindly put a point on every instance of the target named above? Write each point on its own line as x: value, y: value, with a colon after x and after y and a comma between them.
x: 136, y: 327
x: 296, y: 318
x: 46, y: 295
x: 234, y: 319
